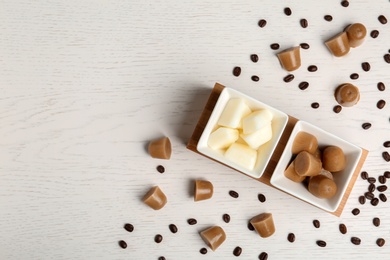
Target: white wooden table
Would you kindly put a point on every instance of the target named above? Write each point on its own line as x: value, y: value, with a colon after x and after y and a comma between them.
x: 85, y: 85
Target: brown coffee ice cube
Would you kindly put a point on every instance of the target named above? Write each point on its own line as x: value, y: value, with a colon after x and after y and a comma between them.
x: 291, y: 174
x: 290, y: 59
x: 307, y: 164
x: 356, y: 33
x: 264, y: 224
x: 339, y: 44
x: 213, y: 237
x: 155, y: 198
x: 304, y: 141
x: 347, y: 95
x: 160, y: 148
x: 203, y: 190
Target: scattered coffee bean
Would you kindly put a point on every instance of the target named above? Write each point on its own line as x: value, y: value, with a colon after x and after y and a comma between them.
x: 237, y: 251
x: 354, y: 76
x: 386, y: 57
x: 250, y: 226
x: 386, y: 156
x: 382, y: 19
x: 261, y: 197
x: 203, y: 251
x: 362, y: 200
x: 234, y: 194
x: 369, y: 195
x: 263, y: 256
x: 122, y: 244
x: 226, y: 218
x: 275, y: 46
x: 386, y: 144
x: 381, y: 104
x: 374, y: 34
x: 364, y: 175
x: 160, y: 169
x: 382, y: 197
x: 316, y: 223
x: 287, y: 11
x: 343, y: 229
x: 321, y: 243
x: 158, y: 238
x: 366, y: 126
x: 237, y: 71
x: 129, y: 227
x: 381, y: 86
x: 328, y: 18
x: 382, y: 188
x: 303, y: 23
x: 380, y: 242
x: 371, y: 187
x: 255, y: 78
x: 356, y: 211
x: 262, y: 23
x: 161, y: 258
x: 312, y: 68
x: 374, y: 201
x: 376, y: 222
x: 387, y: 174
x: 315, y: 105
x: 305, y: 45
x: 288, y: 78
x: 303, y: 85
x: 291, y: 237
x: 344, y: 3
x: 382, y: 179
x: 192, y: 221
x: 371, y: 180
x: 366, y: 66
x: 356, y: 240
x: 173, y: 228
x: 254, y: 58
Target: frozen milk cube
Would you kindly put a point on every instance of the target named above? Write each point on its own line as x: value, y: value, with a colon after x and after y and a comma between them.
x: 222, y: 138
x: 256, y: 120
x: 234, y: 111
x: 258, y: 138
x: 242, y: 155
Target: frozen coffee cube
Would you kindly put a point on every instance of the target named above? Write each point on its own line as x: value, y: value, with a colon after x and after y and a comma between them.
x: 256, y: 120
x: 233, y: 113
x: 222, y: 138
x: 242, y: 155
x: 258, y: 138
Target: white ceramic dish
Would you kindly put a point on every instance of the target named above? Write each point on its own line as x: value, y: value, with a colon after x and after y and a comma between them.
x: 265, y: 152
x: 342, y: 178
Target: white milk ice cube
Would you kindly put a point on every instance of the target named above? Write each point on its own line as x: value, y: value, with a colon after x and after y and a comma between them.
x: 256, y: 120
x: 258, y: 138
x: 234, y: 111
x: 242, y: 155
x: 222, y: 138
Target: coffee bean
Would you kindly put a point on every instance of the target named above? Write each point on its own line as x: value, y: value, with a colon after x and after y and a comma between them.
x: 122, y: 244
x: 386, y: 156
x: 382, y: 179
x: 262, y: 23
x: 328, y: 18
x: 312, y: 68
x: 374, y: 201
x: 381, y: 104
x: 291, y: 237
x: 382, y: 188
x: 380, y: 242
x: 203, y: 251
x: 364, y: 175
x: 263, y: 256
x: 129, y: 227
x: 288, y: 78
x: 315, y: 105
x: 371, y: 187
x: 192, y: 221
x: 387, y: 174
x: 287, y: 11
x: 362, y: 200
x: 369, y: 195
x: 382, y: 197
x: 356, y: 211
x: 386, y: 144
x: 237, y: 251
x: 371, y: 180
x: 254, y: 58
x: 261, y: 197
x: 234, y: 194
x: 321, y: 243
x: 160, y: 169
x: 344, y: 3
x: 237, y: 71
x: 158, y: 238
x: 355, y: 240
x: 305, y: 45
x: 226, y: 218
x: 303, y: 23
x: 303, y: 85
x: 275, y: 46
x: 354, y: 76
x: 382, y: 19
x: 173, y: 228
x: 381, y: 86
x: 161, y: 258
x: 366, y: 66
x: 374, y: 34
x: 337, y: 109
x: 250, y: 226
x: 386, y: 57
x: 343, y: 229
x: 366, y: 126
x: 376, y: 222
x: 255, y: 78
x: 316, y: 223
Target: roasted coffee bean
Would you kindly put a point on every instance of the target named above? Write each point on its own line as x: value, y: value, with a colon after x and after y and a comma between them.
x: 129, y: 227
x: 376, y: 222
x: 255, y: 78
x: 234, y: 194
x: 312, y: 68
x: 371, y: 180
x: 374, y: 34
x: 316, y: 223
x: 382, y: 188
x: 382, y: 197
x: 254, y: 58
x: 303, y: 23
x: 288, y: 78
x: 382, y: 179
x: 226, y: 218
x: 328, y: 18
x: 371, y: 187
x: 263, y: 256
x: 303, y: 85
x: 160, y: 169
x: 344, y: 3
x: 337, y: 109
x: 369, y: 195
x: 374, y: 201
x: 275, y: 46
x: 386, y: 144
x: 173, y: 228
x: 291, y: 237
x: 261, y: 197
x: 362, y: 200
x: 250, y: 226
x: 356, y: 211
x: 287, y: 11
x: 381, y: 86
x: 382, y: 19
x: 364, y: 175
x: 343, y: 229
x: 366, y: 66
x: 161, y: 258
x: 381, y: 104
x: 380, y: 242
x: 386, y: 156
x: 203, y: 251
x: 321, y: 243
x: 237, y: 71
x: 262, y: 23
x: 354, y: 76
x: 305, y: 45
x: 158, y: 238
x: 386, y: 57
x: 366, y: 126
x: 192, y: 221
x: 237, y: 251
x: 122, y: 244
x: 355, y: 240
x: 315, y: 105
x: 387, y: 174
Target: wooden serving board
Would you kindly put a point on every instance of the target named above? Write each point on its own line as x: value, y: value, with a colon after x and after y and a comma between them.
x: 265, y: 178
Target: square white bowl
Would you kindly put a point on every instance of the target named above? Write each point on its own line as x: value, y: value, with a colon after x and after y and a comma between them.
x: 352, y: 155
x: 265, y: 151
